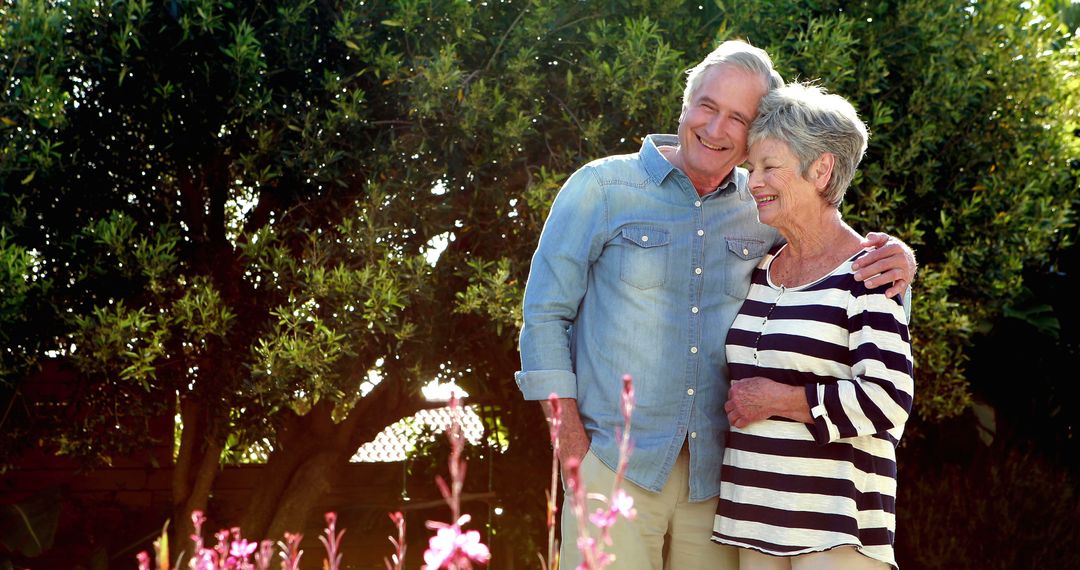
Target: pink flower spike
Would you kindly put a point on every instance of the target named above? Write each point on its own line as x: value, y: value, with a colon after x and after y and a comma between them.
x: 265, y: 555
x: 290, y: 551
x: 144, y: 560
x: 332, y: 542
x: 397, y: 560
x: 197, y: 518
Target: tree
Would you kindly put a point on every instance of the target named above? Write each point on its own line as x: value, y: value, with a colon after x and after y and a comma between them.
x: 215, y: 234
x: 225, y: 208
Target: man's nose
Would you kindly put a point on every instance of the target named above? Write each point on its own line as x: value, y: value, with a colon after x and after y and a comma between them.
x: 716, y: 124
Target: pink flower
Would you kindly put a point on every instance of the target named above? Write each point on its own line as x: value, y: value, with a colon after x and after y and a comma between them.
x: 290, y: 551
x: 397, y: 561
x: 627, y: 396
x: 332, y: 542
x: 623, y: 504
x: 573, y: 473
x: 205, y: 559
x: 265, y: 555
x: 586, y: 543
x: 556, y: 416
x: 604, y: 518
x: 452, y: 548
x: 242, y: 548
x: 144, y: 560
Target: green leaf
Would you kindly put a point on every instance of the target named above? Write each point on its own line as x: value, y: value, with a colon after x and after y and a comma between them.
x: 28, y: 527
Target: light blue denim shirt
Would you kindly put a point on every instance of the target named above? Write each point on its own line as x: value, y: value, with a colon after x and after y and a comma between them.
x: 636, y: 274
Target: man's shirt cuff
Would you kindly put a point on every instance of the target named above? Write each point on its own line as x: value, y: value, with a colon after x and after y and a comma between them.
x: 540, y: 384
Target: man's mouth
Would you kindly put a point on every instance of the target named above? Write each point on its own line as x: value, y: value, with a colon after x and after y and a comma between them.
x: 709, y: 146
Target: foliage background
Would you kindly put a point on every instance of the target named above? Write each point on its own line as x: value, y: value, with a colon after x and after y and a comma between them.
x: 222, y: 210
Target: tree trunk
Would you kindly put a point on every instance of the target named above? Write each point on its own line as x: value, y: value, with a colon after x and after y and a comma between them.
x: 197, y: 465
x: 312, y: 450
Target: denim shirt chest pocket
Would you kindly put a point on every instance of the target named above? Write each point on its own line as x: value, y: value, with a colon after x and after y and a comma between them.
x: 743, y: 255
x: 645, y: 254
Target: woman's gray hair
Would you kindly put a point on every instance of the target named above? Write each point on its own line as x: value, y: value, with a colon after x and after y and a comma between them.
x: 736, y: 53
x: 813, y: 122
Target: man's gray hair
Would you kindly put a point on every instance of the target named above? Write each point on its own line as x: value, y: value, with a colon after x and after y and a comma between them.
x: 736, y: 53
x: 813, y: 122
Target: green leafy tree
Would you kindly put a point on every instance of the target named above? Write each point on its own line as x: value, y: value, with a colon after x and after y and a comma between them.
x: 191, y: 191
x: 225, y: 209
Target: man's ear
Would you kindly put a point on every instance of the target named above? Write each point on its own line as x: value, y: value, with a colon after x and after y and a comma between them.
x: 821, y: 170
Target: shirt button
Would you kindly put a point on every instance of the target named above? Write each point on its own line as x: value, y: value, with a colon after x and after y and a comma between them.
x: 701, y: 232
x: 693, y: 435
x: 690, y: 392
x: 697, y: 271
x: 693, y: 350
x: 697, y: 204
x: 694, y: 310
x: 646, y: 238
x: 745, y: 251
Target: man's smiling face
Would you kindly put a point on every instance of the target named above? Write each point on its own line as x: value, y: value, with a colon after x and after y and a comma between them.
x: 714, y: 124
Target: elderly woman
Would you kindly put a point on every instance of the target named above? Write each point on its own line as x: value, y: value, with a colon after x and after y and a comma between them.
x: 820, y: 364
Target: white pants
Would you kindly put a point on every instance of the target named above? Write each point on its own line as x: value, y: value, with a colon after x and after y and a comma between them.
x: 667, y: 515
x: 840, y: 558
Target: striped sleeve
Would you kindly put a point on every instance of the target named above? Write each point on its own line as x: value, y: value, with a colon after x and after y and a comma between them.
x: 876, y: 399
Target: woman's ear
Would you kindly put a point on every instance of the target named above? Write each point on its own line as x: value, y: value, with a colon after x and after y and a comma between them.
x: 821, y: 170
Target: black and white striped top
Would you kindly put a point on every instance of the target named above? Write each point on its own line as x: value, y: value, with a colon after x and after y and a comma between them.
x: 791, y: 488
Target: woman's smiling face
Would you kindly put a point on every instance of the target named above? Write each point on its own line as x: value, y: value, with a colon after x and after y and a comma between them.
x: 782, y: 194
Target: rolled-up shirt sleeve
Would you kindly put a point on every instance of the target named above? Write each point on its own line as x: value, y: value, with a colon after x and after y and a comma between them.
x: 572, y: 239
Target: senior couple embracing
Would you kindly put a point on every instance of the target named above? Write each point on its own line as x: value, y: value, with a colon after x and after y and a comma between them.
x: 767, y: 339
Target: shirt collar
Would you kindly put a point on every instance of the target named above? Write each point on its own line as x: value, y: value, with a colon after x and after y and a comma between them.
x: 658, y: 167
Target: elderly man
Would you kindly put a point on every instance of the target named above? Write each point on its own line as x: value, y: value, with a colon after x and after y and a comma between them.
x: 642, y: 265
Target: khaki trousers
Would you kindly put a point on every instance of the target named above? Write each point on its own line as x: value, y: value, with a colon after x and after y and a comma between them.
x: 665, y: 516
x: 840, y: 558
